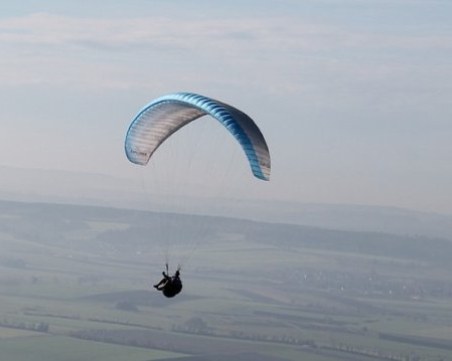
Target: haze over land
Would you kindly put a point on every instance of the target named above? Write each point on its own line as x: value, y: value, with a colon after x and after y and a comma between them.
x: 96, y: 189
x: 75, y: 284
x: 353, y: 97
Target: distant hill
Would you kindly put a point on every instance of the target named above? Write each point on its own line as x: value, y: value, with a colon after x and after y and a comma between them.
x: 363, y: 218
x: 125, y: 230
x: 31, y: 185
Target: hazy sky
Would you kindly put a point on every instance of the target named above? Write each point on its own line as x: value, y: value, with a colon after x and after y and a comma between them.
x: 353, y: 96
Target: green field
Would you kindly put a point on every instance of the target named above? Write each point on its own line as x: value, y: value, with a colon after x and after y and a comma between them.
x: 60, y: 348
x: 251, y: 290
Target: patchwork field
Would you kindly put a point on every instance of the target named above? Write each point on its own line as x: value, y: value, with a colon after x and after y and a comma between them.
x: 76, y: 284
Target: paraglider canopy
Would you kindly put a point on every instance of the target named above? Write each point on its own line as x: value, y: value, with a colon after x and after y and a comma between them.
x: 165, y: 115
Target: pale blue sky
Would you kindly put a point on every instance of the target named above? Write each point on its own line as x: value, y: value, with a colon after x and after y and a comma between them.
x: 353, y: 96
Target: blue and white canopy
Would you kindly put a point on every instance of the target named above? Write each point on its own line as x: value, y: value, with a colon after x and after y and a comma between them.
x: 165, y: 115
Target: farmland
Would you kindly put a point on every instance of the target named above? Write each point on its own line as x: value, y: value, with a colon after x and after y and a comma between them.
x: 76, y: 284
